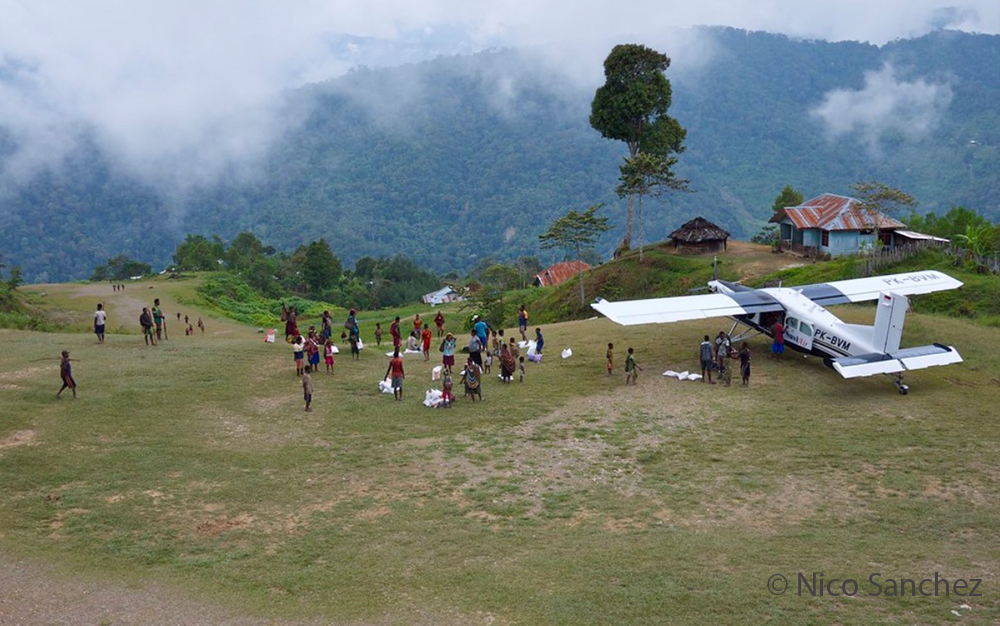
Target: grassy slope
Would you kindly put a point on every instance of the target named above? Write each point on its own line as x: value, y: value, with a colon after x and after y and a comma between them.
x: 566, y: 500
x: 665, y: 273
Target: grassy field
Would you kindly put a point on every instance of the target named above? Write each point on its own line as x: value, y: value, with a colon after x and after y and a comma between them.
x: 568, y: 499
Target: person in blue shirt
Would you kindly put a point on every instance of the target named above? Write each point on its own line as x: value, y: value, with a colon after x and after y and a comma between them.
x: 482, y: 330
x: 539, y: 340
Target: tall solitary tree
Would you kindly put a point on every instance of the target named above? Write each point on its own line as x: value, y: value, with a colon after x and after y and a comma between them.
x: 576, y: 232
x: 632, y: 106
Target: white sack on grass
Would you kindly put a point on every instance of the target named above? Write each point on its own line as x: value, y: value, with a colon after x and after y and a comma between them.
x: 436, y: 372
x: 385, y: 386
x: 694, y: 376
x: 269, y: 338
x: 671, y: 373
x: 568, y: 352
x: 404, y: 352
x: 683, y: 375
x: 432, y: 398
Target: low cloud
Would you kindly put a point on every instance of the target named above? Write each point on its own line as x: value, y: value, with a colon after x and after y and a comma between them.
x: 886, y: 104
x: 183, y: 92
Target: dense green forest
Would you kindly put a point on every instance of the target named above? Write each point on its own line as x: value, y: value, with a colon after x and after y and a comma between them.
x: 461, y: 158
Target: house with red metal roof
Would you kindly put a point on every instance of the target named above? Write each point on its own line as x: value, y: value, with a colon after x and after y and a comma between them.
x: 559, y: 273
x: 834, y: 225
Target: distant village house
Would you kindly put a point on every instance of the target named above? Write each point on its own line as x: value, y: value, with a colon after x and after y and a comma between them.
x: 442, y: 296
x: 699, y: 236
x: 836, y: 225
x: 559, y: 273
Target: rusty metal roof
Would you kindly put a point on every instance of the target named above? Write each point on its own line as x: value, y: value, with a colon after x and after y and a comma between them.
x: 560, y: 273
x: 832, y: 212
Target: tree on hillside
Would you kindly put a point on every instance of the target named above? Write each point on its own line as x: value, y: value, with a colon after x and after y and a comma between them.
x: 879, y: 198
x: 648, y: 174
x: 788, y: 197
x: 574, y: 232
x: 632, y: 107
x: 197, y: 252
x: 321, y: 270
x: 121, y: 267
x: 245, y: 251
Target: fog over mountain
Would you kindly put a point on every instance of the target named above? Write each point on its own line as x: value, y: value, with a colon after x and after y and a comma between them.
x: 123, y: 134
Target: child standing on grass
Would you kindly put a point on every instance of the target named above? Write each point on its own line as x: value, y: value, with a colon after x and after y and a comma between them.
x: 100, y: 319
x: 745, y: 363
x: 328, y: 355
x: 426, y: 341
x: 146, y: 321
x: 189, y: 331
x: 447, y: 395
x: 539, y: 341
x: 610, y: 356
x: 298, y: 347
x: 307, y: 388
x: 632, y: 368
x: 396, y: 374
x: 520, y: 366
x: 487, y: 362
x: 201, y: 325
x: 378, y: 334
x: 355, y: 348
x: 312, y: 349
x: 66, y: 373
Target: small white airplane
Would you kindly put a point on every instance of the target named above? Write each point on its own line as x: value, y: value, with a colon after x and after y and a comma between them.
x: 852, y: 350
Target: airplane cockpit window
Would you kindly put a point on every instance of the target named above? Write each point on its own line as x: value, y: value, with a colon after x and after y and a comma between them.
x: 805, y: 329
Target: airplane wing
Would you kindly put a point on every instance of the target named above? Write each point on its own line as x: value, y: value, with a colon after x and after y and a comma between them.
x: 663, y: 310
x: 860, y: 289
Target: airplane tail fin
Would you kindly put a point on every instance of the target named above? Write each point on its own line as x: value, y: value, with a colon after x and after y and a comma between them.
x: 899, y: 361
x: 889, y: 317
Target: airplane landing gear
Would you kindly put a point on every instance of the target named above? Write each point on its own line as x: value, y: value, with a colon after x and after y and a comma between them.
x: 903, y: 389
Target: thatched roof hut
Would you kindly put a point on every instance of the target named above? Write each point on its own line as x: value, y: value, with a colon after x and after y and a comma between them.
x: 699, y: 236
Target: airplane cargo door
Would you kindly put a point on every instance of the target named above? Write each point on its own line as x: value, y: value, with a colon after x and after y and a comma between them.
x: 799, y: 333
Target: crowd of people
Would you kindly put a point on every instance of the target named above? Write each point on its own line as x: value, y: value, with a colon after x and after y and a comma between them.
x: 486, y: 348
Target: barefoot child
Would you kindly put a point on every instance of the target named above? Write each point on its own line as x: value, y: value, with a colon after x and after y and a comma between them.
x: 632, y: 368
x: 426, y: 341
x: 100, y: 319
x: 397, y: 375
x: 328, y: 355
x: 610, y: 356
x: 297, y: 353
x: 745, y: 363
x: 307, y: 388
x: 66, y: 373
x: 520, y: 366
x: 378, y: 333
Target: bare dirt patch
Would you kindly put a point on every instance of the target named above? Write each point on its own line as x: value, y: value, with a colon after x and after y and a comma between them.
x: 219, y: 525
x: 17, y: 438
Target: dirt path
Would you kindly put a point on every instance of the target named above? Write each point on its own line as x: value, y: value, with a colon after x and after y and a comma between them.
x: 32, y: 594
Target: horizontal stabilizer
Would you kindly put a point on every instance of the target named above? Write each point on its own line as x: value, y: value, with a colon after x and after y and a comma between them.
x: 900, y: 361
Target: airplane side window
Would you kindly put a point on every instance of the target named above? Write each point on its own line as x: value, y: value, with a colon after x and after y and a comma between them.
x: 806, y: 329
x: 791, y: 322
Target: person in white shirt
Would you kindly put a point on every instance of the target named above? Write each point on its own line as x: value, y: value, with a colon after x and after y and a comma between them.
x: 100, y: 319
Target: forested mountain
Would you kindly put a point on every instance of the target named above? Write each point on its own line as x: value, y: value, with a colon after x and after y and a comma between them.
x: 459, y: 158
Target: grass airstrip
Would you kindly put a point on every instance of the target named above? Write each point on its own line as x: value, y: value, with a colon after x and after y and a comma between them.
x: 566, y: 499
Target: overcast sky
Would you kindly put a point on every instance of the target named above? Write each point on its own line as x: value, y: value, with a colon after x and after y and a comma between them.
x: 195, y: 81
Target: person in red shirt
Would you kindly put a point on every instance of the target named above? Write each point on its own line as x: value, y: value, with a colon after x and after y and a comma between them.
x: 426, y: 337
x: 778, y: 347
x: 394, y: 331
x: 439, y: 322
x: 396, y: 375
x: 418, y: 324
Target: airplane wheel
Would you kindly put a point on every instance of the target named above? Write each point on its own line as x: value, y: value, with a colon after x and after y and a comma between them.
x: 903, y: 390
